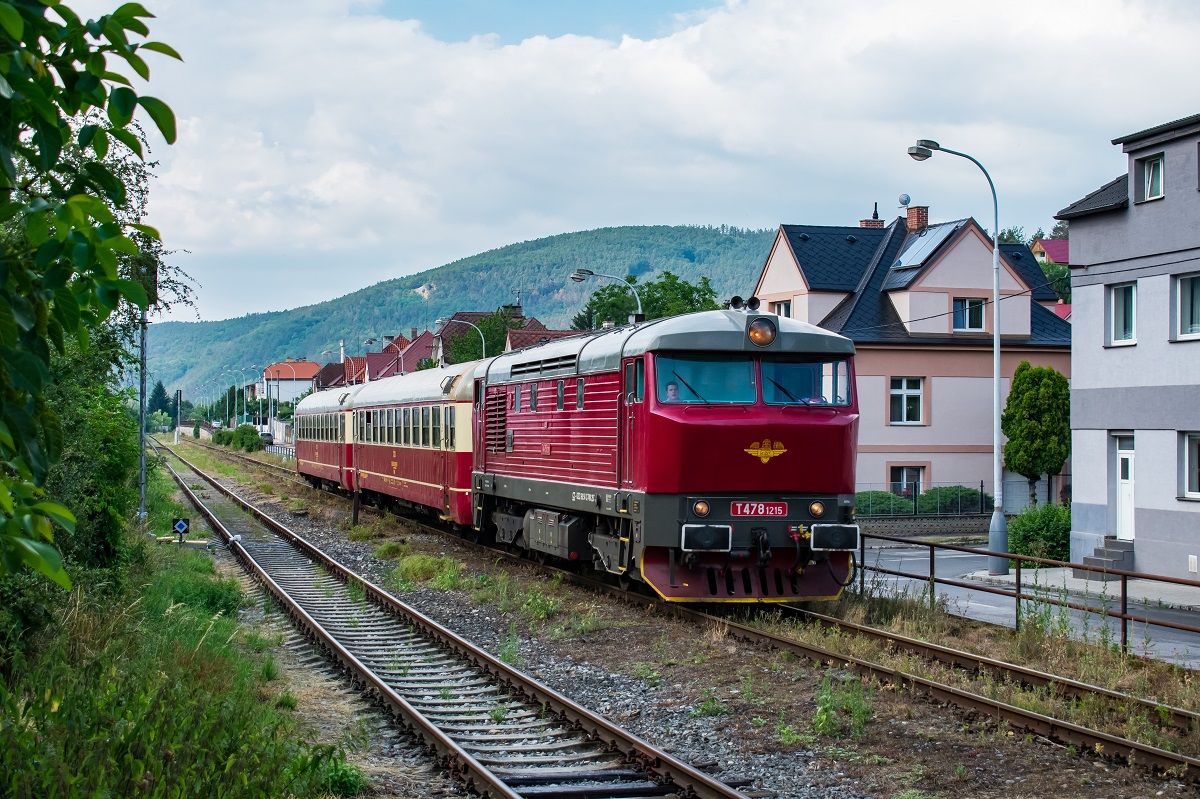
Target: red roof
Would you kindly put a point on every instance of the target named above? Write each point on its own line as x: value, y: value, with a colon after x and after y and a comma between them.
x: 520, y: 339
x: 1057, y: 250
x: 289, y: 370
x: 1062, y: 310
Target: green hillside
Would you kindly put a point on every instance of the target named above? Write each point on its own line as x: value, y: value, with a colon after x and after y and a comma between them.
x: 188, y: 354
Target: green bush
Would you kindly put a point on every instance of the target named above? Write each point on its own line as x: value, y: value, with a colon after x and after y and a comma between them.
x: 246, y: 438
x: 1043, y: 531
x: 196, y: 430
x: 954, y: 499
x: 882, y: 503
x: 222, y: 437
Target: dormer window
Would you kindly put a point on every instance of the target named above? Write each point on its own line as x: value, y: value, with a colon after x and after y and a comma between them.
x: 968, y: 314
x: 1149, y: 178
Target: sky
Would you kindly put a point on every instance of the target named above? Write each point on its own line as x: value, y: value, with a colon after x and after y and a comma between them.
x: 325, y: 145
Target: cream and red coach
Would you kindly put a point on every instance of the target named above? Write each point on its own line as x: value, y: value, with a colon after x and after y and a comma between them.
x: 710, y: 455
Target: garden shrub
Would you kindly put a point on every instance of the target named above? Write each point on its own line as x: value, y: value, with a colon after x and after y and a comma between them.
x: 882, y: 503
x: 954, y: 499
x: 1043, y: 531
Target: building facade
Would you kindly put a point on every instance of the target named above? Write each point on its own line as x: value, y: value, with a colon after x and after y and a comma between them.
x: 1135, y: 397
x: 286, y: 380
x: 916, y: 300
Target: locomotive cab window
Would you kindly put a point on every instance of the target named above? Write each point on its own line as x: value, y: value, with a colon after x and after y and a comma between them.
x: 806, y: 382
x: 705, y: 379
x: 635, y: 381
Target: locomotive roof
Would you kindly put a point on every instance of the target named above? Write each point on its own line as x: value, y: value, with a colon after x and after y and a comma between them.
x: 706, y: 331
x: 425, y: 385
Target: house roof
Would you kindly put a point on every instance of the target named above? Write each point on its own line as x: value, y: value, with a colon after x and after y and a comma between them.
x: 1062, y: 310
x: 1023, y: 262
x: 1166, y: 127
x: 1057, y: 250
x: 292, y: 370
x: 918, y: 250
x: 868, y: 316
x: 520, y: 339
x: 331, y: 374
x: 832, y: 258
x: 1111, y: 196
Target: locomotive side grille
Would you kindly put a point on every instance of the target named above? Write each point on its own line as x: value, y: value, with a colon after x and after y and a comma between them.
x: 496, y: 410
x: 559, y: 365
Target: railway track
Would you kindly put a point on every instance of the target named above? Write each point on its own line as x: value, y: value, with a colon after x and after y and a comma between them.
x: 1112, y: 746
x: 503, y: 733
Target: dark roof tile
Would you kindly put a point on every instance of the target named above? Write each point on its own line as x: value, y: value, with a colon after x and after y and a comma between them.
x: 1111, y: 196
x: 832, y: 258
x: 1026, y: 265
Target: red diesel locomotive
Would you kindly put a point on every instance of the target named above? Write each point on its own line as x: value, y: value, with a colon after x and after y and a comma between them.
x: 710, y: 456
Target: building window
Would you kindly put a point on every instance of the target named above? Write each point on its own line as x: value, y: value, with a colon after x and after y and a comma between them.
x: 1123, y: 314
x: 906, y: 481
x: 1187, y: 292
x: 782, y: 308
x: 907, y: 400
x: 1191, y: 465
x: 1150, y: 178
x: 968, y: 313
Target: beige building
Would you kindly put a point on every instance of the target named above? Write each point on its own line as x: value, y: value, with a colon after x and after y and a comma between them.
x: 916, y: 300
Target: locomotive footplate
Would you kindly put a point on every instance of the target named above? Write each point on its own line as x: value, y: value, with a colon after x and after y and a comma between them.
x: 714, y: 577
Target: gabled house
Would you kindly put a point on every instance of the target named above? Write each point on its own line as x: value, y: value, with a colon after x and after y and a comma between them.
x: 916, y: 300
x: 1135, y: 397
x: 450, y: 331
x: 530, y: 337
x: 286, y: 380
x: 1057, y: 251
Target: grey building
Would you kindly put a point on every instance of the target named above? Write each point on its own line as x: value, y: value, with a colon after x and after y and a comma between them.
x: 1135, y: 357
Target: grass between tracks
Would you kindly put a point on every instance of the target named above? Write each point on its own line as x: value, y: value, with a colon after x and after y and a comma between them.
x: 142, y: 686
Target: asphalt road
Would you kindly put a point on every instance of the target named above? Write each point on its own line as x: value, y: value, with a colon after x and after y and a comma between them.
x: 1144, y: 639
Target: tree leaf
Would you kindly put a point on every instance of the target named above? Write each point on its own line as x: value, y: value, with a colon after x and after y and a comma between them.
x: 11, y: 21
x: 39, y: 556
x: 66, y: 308
x: 152, y: 232
x: 162, y: 115
x: 128, y: 139
x: 6, y: 90
x: 58, y: 513
x: 133, y: 291
x: 27, y: 372
x: 165, y: 49
x: 121, y: 103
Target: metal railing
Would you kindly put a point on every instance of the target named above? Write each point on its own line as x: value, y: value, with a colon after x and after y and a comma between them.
x: 286, y: 450
x: 952, y: 498
x: 1042, y: 594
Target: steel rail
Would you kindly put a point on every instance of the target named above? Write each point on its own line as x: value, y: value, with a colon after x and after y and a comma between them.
x: 1057, y: 729
x: 651, y: 759
x: 239, y: 456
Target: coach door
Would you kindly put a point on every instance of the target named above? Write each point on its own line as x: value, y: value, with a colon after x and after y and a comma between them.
x: 632, y: 395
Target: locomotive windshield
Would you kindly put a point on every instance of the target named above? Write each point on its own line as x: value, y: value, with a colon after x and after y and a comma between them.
x: 806, y: 382
x: 733, y: 379
x: 706, y: 379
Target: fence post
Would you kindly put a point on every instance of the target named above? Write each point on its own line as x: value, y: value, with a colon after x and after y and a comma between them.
x: 982, y: 509
x: 1124, y: 614
x: 1017, y: 597
x: 932, y: 580
x: 862, y: 564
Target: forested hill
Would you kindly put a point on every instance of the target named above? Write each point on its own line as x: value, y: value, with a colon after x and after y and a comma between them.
x: 187, y: 354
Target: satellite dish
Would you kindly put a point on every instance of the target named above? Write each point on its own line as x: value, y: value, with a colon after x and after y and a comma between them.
x: 905, y: 200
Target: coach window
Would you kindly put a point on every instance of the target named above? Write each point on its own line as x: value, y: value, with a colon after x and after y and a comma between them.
x: 562, y: 392
x: 533, y: 397
x: 416, y: 427
x: 436, y: 426
x: 450, y: 431
x: 425, y: 426
x: 404, y: 434
x: 579, y: 393
x: 341, y: 427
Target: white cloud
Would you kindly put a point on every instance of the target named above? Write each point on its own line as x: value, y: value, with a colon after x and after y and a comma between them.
x: 319, y: 129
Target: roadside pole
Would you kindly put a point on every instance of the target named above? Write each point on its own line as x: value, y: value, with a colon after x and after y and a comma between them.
x: 142, y: 427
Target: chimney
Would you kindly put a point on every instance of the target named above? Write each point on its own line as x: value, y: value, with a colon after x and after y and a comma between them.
x: 874, y: 221
x: 918, y: 218
x: 413, y: 337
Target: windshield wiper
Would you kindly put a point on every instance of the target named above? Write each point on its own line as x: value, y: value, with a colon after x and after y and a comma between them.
x: 688, y: 386
x: 790, y: 395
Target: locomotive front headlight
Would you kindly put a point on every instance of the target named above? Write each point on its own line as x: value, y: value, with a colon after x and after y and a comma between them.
x: 817, y: 509
x: 761, y: 331
x: 701, y: 508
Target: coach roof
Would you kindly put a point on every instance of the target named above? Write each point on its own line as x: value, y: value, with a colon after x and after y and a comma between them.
x: 426, y: 385
x: 708, y: 331
x: 332, y: 399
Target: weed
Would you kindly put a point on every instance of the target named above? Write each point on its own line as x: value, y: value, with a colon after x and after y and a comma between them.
x: 539, y: 607
x: 258, y: 643
x: 297, y: 505
x: 842, y: 710
x: 286, y: 701
x: 393, y: 550
x: 444, y: 693
x: 748, y: 691
x: 510, y: 651
x: 579, y: 624
x: 499, y: 713
x: 424, y: 568
x: 266, y: 488
x: 449, y: 576
x: 710, y: 706
x: 269, y: 670
x: 648, y: 674
x: 758, y: 722
x: 961, y: 773
x: 340, y: 778
x: 913, y: 793
x: 785, y: 733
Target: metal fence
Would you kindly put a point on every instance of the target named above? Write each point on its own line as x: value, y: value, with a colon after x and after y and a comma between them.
x: 954, y: 498
x: 285, y: 450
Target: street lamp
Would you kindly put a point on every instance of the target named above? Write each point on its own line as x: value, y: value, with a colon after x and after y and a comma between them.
x: 580, y: 275
x: 440, y: 324
x: 998, y: 529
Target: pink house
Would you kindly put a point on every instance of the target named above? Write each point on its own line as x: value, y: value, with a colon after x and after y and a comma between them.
x: 916, y: 300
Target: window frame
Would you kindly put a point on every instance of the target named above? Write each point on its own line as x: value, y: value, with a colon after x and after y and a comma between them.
x: 1113, y: 290
x: 968, y: 304
x: 425, y: 425
x: 904, y: 469
x: 533, y: 397
x: 1177, y: 286
x: 1189, y: 461
x: 435, y: 427
x: 405, y: 422
x: 1145, y: 171
x: 579, y: 390
x: 904, y: 392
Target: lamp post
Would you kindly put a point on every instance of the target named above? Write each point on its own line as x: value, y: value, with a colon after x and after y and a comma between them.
x: 998, y: 529
x: 440, y: 324
x: 580, y: 275
x: 226, y: 397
